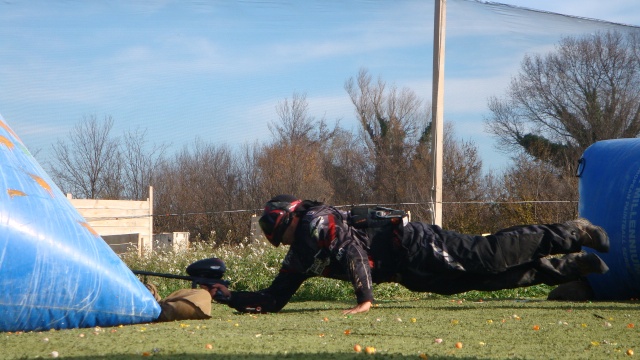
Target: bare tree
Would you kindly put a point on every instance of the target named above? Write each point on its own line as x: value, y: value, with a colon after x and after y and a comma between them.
x: 293, y: 162
x: 587, y: 90
x: 528, y: 193
x: 347, y: 169
x: 462, y: 183
x: 251, y: 194
x: 89, y: 162
x: 293, y: 169
x: 139, y: 164
x: 392, y: 122
x: 196, y: 190
x: 295, y: 125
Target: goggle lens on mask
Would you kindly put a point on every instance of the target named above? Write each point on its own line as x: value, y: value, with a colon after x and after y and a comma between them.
x: 275, y: 219
x: 270, y: 221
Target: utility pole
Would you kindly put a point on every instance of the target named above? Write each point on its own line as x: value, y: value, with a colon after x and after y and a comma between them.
x: 437, y: 102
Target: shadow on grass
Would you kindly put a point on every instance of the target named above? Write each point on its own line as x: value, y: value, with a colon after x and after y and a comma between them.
x: 542, y: 304
x: 306, y: 356
x: 338, y: 305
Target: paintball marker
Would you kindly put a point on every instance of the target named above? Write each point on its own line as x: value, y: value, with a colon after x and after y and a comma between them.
x: 202, y: 272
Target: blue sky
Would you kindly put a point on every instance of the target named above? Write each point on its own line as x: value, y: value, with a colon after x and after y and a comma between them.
x: 216, y: 70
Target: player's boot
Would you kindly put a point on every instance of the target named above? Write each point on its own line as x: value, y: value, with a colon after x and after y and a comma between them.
x: 589, y: 263
x: 590, y: 235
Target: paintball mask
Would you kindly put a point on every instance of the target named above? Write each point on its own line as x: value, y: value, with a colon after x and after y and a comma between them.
x: 276, y: 217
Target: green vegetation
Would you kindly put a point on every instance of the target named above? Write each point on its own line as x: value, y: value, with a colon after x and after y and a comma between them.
x: 402, y: 325
x: 399, y: 329
x: 252, y: 266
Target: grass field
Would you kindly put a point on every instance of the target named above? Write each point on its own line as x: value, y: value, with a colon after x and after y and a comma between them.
x: 507, y: 324
x: 402, y: 329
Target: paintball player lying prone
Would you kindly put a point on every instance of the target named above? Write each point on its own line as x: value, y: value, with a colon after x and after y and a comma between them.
x: 367, y: 247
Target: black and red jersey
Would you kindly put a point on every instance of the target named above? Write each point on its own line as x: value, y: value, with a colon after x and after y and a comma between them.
x: 325, y: 245
x: 422, y: 257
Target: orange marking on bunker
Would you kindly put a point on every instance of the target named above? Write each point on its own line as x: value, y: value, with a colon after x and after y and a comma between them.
x: 8, y: 129
x: 14, y: 192
x: 42, y: 183
x: 6, y: 142
x: 88, y: 227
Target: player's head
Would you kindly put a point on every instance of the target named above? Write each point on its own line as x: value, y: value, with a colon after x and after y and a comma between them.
x: 276, y: 217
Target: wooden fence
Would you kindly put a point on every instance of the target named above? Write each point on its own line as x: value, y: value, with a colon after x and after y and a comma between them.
x: 119, y: 217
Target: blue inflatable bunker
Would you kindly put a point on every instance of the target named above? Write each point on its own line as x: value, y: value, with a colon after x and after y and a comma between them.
x: 609, y: 185
x: 55, y: 270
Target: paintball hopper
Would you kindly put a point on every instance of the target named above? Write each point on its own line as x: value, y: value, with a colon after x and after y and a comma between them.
x: 202, y: 272
x: 212, y: 268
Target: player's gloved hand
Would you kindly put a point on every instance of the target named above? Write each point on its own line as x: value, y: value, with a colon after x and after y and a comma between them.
x: 219, y: 292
